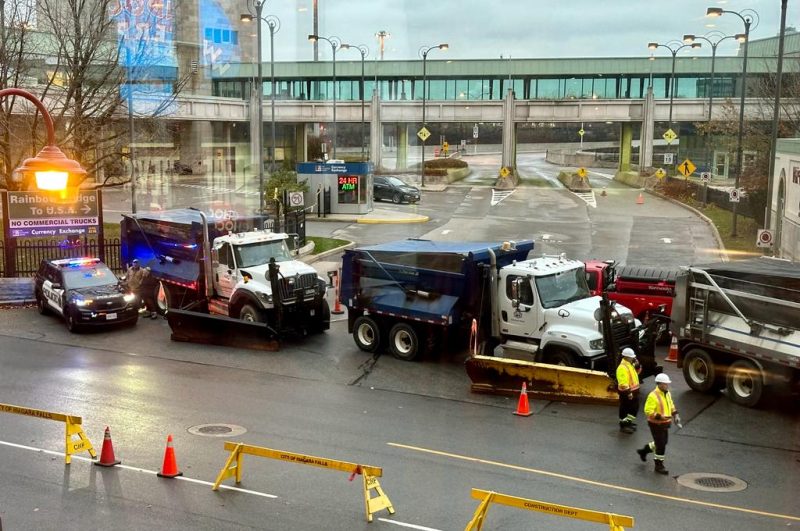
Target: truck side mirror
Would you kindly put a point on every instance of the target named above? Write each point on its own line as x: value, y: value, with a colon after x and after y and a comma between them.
x: 515, y: 288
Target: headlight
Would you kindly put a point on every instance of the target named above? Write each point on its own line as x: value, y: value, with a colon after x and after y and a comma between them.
x: 596, y: 344
x: 265, y: 297
x: 83, y: 302
x: 129, y: 297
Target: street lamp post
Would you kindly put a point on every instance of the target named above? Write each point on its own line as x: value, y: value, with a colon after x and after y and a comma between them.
x: 255, y: 8
x: 335, y: 43
x: 424, y: 51
x: 747, y: 17
x: 671, y: 46
x: 364, y: 51
x: 689, y: 39
x: 775, y: 118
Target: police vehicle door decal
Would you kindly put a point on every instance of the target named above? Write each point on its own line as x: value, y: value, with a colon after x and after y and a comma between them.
x: 53, y: 296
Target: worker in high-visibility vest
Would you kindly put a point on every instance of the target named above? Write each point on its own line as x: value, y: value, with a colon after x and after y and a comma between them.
x: 628, y: 389
x: 660, y: 411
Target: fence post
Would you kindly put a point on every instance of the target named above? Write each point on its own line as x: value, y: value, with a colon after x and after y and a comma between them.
x: 101, y: 234
x: 10, y: 255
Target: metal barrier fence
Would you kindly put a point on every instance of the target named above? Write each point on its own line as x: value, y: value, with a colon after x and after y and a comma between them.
x: 21, y: 258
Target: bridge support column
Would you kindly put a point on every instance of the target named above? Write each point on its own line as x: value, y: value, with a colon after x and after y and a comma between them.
x: 375, y: 131
x: 625, y: 146
x: 648, y: 131
x: 402, y: 147
x: 509, y: 158
x: 193, y: 134
x: 300, y: 142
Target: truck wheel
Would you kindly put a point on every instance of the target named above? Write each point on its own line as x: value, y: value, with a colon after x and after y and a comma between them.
x: 700, y: 371
x: 404, y: 342
x: 367, y: 334
x: 745, y: 385
x: 250, y: 314
x: 322, y: 321
x: 563, y: 358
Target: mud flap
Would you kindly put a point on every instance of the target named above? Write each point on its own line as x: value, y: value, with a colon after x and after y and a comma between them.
x: 504, y: 376
x: 195, y: 327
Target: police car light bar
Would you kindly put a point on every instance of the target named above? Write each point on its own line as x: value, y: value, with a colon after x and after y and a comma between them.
x: 76, y: 262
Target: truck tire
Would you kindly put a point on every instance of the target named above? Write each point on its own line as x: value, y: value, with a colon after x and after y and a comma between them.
x: 562, y: 357
x: 250, y: 314
x: 745, y: 385
x: 322, y: 321
x: 700, y: 371
x: 367, y: 334
x: 404, y: 342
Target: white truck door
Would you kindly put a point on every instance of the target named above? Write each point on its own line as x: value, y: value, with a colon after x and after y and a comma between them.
x: 519, y: 319
x: 226, y: 275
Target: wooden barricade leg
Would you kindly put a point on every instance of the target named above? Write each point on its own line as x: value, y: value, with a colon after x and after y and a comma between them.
x: 83, y: 444
x: 476, y: 524
x: 379, y: 502
x: 230, y: 469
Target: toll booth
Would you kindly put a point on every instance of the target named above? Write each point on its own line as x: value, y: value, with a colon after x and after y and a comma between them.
x: 337, y: 187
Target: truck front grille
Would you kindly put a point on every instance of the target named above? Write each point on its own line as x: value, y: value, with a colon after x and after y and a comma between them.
x: 290, y: 285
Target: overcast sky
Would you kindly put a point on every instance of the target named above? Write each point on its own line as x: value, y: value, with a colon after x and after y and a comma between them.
x: 520, y: 28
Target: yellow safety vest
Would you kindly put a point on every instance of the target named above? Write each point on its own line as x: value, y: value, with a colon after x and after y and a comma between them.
x: 627, y: 378
x: 659, y: 402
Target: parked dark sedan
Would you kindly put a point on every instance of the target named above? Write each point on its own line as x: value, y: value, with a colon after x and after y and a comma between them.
x: 394, y: 190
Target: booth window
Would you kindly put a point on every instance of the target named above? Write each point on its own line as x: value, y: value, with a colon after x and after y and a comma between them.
x: 351, y: 190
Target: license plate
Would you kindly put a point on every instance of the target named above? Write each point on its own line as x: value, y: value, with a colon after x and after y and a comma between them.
x: 111, y: 316
x: 310, y: 291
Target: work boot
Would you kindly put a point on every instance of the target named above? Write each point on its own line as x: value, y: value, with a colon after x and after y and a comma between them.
x: 643, y: 452
x: 153, y: 315
x: 659, y: 469
x: 625, y: 428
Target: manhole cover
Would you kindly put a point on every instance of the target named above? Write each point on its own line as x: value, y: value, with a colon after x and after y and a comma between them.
x: 712, y: 482
x: 217, y: 430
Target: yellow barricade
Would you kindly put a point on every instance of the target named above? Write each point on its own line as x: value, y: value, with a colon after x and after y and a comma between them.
x: 369, y: 474
x: 615, y: 522
x: 73, y: 424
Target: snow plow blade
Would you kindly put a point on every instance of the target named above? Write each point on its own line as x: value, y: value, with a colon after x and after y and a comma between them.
x: 195, y: 327
x: 504, y: 376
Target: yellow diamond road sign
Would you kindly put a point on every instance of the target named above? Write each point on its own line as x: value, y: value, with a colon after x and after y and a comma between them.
x: 660, y: 173
x: 670, y: 136
x: 582, y: 173
x: 581, y: 131
x: 686, y: 168
x: 423, y: 134
x: 504, y: 171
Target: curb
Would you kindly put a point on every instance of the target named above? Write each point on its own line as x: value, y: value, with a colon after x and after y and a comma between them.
x: 313, y: 258
x: 420, y: 219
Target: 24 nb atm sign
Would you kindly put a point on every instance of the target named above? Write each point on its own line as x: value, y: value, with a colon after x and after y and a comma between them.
x: 37, y: 214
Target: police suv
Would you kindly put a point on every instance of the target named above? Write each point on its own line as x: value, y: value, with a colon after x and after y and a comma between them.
x: 84, y: 291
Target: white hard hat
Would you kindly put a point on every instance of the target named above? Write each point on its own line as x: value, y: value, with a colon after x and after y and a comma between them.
x: 663, y: 378
x: 628, y: 353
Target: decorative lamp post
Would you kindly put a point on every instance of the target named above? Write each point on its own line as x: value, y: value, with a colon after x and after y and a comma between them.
x: 423, y: 52
x: 747, y: 16
x: 674, y: 47
x: 52, y: 170
x: 335, y: 43
x: 775, y: 118
x: 364, y: 51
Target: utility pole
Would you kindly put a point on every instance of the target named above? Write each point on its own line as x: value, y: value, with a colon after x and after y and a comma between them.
x: 382, y: 35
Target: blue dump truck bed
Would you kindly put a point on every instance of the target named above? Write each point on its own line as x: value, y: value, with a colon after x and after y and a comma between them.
x: 170, y: 242
x: 423, y: 280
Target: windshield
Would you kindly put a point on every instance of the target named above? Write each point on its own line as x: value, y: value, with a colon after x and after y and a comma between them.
x: 255, y: 254
x: 395, y: 181
x: 89, y: 277
x: 561, y: 288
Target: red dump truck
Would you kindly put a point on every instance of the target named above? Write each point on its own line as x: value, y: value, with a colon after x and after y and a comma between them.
x: 642, y: 289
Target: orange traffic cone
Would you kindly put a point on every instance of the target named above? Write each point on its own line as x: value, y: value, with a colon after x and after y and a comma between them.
x: 107, y: 454
x: 673, y: 350
x: 337, y: 308
x: 523, y: 408
x: 170, y: 467
x: 640, y: 199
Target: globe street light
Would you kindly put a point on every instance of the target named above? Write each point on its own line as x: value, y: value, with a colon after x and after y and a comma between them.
x: 364, y: 51
x: 674, y: 48
x: 747, y: 16
x: 423, y: 52
x: 335, y: 43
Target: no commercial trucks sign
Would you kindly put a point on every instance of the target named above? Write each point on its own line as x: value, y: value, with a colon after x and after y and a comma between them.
x: 39, y: 214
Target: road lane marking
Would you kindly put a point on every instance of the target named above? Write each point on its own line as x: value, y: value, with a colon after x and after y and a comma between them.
x: 137, y: 469
x: 594, y: 483
x: 410, y: 526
